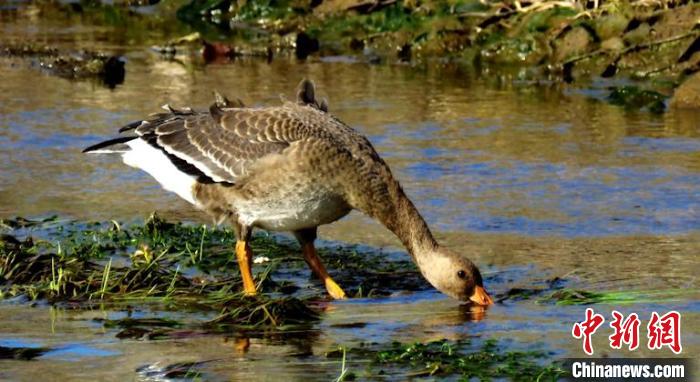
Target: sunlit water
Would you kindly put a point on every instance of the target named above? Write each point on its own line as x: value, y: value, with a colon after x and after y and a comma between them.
x: 530, y: 180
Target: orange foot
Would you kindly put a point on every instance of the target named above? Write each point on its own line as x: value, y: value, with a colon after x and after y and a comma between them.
x: 334, y: 289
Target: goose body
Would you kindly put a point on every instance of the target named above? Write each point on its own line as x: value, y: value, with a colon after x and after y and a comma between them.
x: 291, y: 167
x: 262, y: 195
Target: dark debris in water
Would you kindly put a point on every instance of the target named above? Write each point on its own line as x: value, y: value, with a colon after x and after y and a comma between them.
x: 72, y: 65
x: 516, y: 294
x: 350, y: 325
x: 557, y: 295
x: 634, y: 98
x: 22, y: 353
x: 21, y: 222
x: 129, y: 322
x: 526, y: 293
x: 138, y: 328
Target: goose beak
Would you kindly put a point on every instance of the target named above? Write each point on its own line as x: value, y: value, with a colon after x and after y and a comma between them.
x: 480, y: 297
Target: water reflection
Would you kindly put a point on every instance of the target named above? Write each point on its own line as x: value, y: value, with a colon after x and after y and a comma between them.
x: 532, y: 160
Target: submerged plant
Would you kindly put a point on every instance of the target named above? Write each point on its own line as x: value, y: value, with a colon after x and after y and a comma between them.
x: 55, y: 284
x: 345, y: 374
x: 105, y: 278
x: 633, y: 98
x: 462, y: 359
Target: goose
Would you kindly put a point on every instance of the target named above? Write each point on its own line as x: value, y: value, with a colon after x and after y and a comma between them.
x: 291, y: 168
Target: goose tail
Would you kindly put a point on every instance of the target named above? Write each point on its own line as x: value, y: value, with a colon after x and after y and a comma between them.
x: 116, y: 145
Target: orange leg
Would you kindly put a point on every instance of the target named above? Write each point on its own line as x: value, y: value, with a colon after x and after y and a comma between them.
x: 320, y: 271
x: 245, y: 257
x: 241, y: 345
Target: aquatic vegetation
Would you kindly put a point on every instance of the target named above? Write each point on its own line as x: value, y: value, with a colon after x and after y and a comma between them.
x: 544, y: 20
x: 461, y: 359
x: 632, y: 97
x: 582, y: 297
x: 90, y: 265
x: 178, y: 266
x: 345, y: 373
x: 557, y: 291
x: 526, y: 293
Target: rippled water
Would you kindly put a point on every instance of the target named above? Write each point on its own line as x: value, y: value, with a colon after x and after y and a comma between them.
x: 533, y: 180
x: 535, y: 160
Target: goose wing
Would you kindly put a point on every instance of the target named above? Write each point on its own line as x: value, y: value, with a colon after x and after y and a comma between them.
x: 222, y: 144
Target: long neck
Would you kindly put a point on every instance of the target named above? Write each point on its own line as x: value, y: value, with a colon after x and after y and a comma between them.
x: 403, y: 219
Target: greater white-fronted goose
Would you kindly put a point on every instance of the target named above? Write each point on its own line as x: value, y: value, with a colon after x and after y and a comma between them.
x: 286, y: 168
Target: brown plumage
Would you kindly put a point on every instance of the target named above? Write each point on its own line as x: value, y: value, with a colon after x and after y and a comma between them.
x: 287, y: 168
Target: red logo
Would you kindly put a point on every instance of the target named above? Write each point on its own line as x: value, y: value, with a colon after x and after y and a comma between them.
x: 661, y: 331
x: 587, y: 328
x: 665, y: 331
x: 626, y: 331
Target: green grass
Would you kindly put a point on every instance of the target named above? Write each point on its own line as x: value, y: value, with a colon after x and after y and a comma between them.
x: 582, y: 297
x: 345, y: 373
x: 462, y: 359
x: 105, y: 263
x: 179, y: 266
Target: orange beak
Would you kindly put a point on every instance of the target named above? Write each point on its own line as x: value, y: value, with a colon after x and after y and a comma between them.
x: 480, y: 296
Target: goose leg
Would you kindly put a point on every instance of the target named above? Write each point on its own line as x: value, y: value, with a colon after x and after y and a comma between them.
x: 245, y: 259
x: 320, y: 271
x: 306, y: 239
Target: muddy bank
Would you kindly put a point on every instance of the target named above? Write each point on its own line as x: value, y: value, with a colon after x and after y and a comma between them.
x: 651, y: 42
x: 570, y: 40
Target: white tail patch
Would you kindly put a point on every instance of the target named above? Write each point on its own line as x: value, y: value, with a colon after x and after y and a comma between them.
x: 153, y: 161
x: 108, y: 150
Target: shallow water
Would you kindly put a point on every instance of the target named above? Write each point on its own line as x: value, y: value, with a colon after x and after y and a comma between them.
x: 532, y: 180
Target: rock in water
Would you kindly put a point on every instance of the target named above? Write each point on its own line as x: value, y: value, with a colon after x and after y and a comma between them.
x: 687, y: 96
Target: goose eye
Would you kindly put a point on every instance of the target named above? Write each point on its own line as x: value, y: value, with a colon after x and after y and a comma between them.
x: 461, y: 274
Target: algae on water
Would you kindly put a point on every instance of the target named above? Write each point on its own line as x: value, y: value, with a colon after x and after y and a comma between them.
x: 463, y: 359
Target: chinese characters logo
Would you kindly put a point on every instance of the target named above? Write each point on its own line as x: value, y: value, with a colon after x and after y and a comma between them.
x: 661, y: 331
